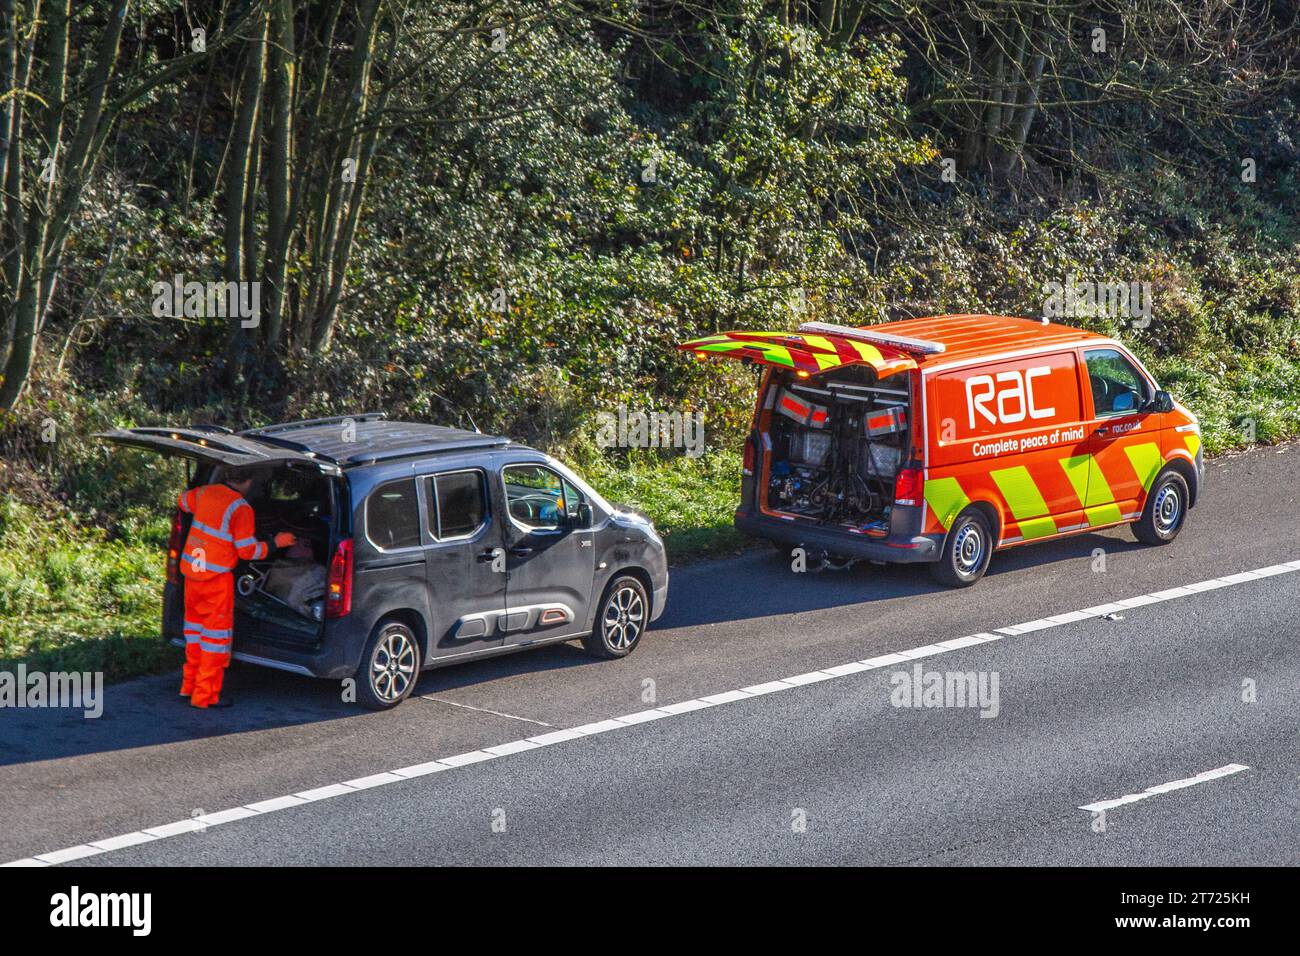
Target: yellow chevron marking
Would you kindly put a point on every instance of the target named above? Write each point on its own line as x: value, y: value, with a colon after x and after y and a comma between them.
x: 945, y: 498
x: 1025, y: 501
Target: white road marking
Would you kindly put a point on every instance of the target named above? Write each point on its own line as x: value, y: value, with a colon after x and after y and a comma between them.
x: 484, y: 710
x: 330, y: 791
x: 1224, y: 771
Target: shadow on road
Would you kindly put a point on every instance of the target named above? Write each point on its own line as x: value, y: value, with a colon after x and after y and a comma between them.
x: 148, y: 712
x: 761, y: 584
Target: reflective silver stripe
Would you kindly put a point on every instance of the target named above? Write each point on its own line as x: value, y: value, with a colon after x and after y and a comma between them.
x: 208, y: 632
x: 191, y: 638
x: 259, y: 551
x: 212, y: 648
x: 205, y: 567
x: 244, y: 542
x: 230, y: 511
x: 185, y: 503
x: 208, y: 530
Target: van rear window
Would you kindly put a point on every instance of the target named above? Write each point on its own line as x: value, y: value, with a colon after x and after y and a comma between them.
x: 392, y: 516
x: 456, y: 504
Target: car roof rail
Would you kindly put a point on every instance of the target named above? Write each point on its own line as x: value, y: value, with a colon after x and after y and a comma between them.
x: 471, y: 440
x: 312, y: 422
x: 205, y: 427
x: 919, y: 346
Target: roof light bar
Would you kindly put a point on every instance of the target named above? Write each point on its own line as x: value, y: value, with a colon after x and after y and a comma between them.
x: 920, y: 346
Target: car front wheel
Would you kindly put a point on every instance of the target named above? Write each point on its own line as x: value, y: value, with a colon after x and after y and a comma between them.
x: 621, y: 619
x: 389, y: 667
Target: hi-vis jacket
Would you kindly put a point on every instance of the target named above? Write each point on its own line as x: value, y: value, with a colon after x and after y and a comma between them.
x: 221, y: 534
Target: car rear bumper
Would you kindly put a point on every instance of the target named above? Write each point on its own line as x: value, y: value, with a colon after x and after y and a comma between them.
x: 894, y: 548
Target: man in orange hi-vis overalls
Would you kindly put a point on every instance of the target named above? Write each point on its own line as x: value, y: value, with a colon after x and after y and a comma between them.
x: 221, y: 534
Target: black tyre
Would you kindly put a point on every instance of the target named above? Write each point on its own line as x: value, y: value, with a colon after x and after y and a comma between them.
x: 390, y: 666
x: 621, y: 619
x: 1165, y: 510
x: 966, y: 551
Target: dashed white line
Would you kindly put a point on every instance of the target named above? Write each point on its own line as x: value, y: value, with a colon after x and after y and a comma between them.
x: 669, y: 710
x: 484, y: 710
x: 1224, y: 771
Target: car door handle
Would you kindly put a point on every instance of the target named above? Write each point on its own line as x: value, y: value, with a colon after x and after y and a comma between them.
x: 521, y: 552
x: 487, y: 554
x: 1103, y: 430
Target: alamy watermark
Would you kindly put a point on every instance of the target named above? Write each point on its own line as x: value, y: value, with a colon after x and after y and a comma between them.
x: 652, y: 429
x: 1082, y: 298
x: 208, y: 300
x: 38, y: 689
x: 921, y: 688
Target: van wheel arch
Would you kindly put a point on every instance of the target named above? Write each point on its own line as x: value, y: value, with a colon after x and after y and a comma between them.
x: 1187, y: 471
x: 991, y: 515
x: 642, y: 575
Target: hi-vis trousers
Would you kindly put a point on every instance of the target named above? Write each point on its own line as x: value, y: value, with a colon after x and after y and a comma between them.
x: 209, y: 624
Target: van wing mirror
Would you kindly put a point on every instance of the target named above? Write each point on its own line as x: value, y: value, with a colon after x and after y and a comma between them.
x: 1161, y: 402
x: 583, y: 517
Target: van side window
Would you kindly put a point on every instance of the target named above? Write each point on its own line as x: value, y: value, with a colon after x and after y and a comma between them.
x: 392, y: 516
x: 535, y: 495
x: 457, y: 504
x: 1118, y: 388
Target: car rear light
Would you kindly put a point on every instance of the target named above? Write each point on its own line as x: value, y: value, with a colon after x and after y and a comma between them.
x: 338, y: 592
x: 174, y: 545
x: 908, y: 487
x: 747, y: 464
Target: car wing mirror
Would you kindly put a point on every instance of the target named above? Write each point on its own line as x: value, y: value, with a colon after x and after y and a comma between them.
x: 1162, y: 401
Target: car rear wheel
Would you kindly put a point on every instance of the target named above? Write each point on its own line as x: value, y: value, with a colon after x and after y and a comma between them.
x: 967, y: 550
x: 389, y: 667
x: 1166, y: 508
x: 621, y: 619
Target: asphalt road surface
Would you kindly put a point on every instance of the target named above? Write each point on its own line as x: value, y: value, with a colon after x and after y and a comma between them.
x: 1150, y: 730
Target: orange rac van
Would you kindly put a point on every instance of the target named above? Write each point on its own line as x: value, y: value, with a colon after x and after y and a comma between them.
x: 944, y: 439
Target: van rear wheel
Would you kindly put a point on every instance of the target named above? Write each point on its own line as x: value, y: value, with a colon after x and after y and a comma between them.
x: 1166, y: 508
x: 390, y: 667
x: 967, y: 551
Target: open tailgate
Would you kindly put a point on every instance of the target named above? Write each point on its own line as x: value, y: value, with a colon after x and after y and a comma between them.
x: 805, y: 351
x: 213, y: 447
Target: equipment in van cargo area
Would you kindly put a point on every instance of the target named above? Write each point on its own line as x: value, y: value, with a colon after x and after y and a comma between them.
x: 837, y: 447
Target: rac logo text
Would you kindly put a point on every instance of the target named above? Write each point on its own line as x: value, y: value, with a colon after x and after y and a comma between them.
x: 1014, y: 392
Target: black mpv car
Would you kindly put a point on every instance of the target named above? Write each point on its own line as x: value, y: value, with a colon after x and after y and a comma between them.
x: 427, y: 546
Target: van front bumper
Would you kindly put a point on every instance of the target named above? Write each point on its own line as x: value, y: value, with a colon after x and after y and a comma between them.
x: 896, y: 549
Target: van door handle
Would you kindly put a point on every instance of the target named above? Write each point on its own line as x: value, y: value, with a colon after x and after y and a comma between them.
x: 487, y: 554
x: 521, y: 552
x: 1103, y: 430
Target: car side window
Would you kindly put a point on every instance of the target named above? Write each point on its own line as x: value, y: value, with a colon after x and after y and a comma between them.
x: 1118, y: 388
x: 535, y: 496
x: 393, y: 516
x: 457, y: 504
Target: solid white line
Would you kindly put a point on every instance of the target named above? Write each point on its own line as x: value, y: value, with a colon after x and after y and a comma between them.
x: 1224, y: 771
x: 329, y: 791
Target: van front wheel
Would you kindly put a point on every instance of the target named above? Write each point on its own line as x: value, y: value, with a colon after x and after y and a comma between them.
x: 1166, y: 507
x: 966, y: 551
x: 621, y: 620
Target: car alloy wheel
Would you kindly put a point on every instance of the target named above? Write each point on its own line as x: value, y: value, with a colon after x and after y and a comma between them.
x: 392, y: 665
x: 623, y: 619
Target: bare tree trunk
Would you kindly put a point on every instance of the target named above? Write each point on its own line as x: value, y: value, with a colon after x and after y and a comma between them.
x: 282, y: 74
x: 242, y: 147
